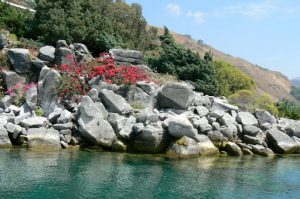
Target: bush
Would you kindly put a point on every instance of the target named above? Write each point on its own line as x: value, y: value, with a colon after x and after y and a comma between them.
x: 289, y: 109
x: 231, y: 79
x: 250, y: 100
x: 295, y: 92
x: 176, y: 60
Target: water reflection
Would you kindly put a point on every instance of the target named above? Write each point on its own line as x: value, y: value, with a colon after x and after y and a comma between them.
x: 96, y: 174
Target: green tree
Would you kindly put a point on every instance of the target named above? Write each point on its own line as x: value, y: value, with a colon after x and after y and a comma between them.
x: 289, y: 109
x: 176, y: 60
x: 295, y: 92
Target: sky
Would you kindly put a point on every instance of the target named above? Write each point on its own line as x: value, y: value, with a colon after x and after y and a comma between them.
x: 264, y: 32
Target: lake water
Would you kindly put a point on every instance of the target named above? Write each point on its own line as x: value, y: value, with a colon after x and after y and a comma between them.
x: 95, y: 174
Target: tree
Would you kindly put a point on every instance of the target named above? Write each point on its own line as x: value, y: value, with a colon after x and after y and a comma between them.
x: 176, y: 60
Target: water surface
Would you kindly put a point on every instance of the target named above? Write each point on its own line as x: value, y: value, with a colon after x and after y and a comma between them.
x: 95, y: 174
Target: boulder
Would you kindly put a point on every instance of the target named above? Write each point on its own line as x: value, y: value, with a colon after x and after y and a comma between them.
x: 265, y: 117
x: 4, y: 138
x: 204, y: 125
x: 12, y: 78
x: 260, y: 150
x: 119, y: 146
x: 31, y: 97
x: 148, y: 116
x: 92, y: 125
x: 6, y: 101
x: 34, y: 122
x: 252, y: 140
x: 47, y: 53
x: 127, y: 56
x: 38, y: 64
x: 186, y: 147
x: 206, y: 147
x: 115, y: 103
x: 64, y: 55
x: 149, y: 88
x: 251, y: 130
x: 180, y: 126
x: 20, y: 60
x: 47, y: 95
x: 43, y: 139
x: 54, y: 115
x: 62, y: 127
x: 61, y: 43
x: 281, y: 142
x: 152, y: 139
x: 94, y: 95
x: 98, y: 84
x: 233, y: 149
x: 217, y: 138
x: 3, y: 40
x: 202, y: 111
x: 65, y: 117
x: 246, y: 118
x: 176, y: 96
x: 226, y: 120
x: 219, y: 104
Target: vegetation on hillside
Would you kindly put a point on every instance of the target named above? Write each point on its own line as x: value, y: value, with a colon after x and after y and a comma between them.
x: 289, y: 109
x: 295, y: 92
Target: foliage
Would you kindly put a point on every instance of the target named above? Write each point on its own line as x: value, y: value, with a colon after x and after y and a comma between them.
x: 75, y: 76
x: 14, y: 20
x: 18, y: 92
x: 289, y: 109
x: 295, y: 92
x: 231, y: 79
x: 176, y: 60
x: 39, y: 112
x: 250, y: 100
x: 4, y: 61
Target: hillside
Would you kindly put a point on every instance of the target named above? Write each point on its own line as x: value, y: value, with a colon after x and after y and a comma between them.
x: 296, y: 81
x: 271, y: 82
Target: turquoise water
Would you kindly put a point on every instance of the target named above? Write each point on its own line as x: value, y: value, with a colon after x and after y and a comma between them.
x: 95, y: 174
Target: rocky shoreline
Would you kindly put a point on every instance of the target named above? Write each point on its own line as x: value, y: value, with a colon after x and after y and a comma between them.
x: 170, y: 119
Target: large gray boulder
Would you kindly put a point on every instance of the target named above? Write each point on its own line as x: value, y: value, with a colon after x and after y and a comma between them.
x: 152, y: 139
x: 64, y: 55
x: 12, y: 78
x: 127, y: 56
x: 233, y: 149
x: 251, y: 130
x: 246, y: 118
x: 280, y: 142
x: 47, y: 94
x: 115, y: 103
x: 180, y: 126
x: 43, y: 139
x: 34, y: 122
x: 92, y: 125
x: 265, y: 117
x: 186, y: 147
x: 4, y: 139
x: 219, y: 104
x: 20, y: 60
x: 47, y: 53
x: 31, y: 97
x: 176, y: 96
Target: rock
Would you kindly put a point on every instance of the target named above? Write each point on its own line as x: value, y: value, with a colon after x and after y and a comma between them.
x: 202, y: 111
x: 20, y: 60
x: 219, y: 104
x: 233, y: 149
x: 180, y: 126
x: 175, y: 96
x: 260, y: 150
x: 204, y: 126
x: 22, y: 117
x: 152, y: 139
x: 217, y: 114
x: 98, y: 84
x: 13, y: 128
x: 102, y: 109
x: 228, y: 133
x: 216, y: 126
x: 5, y: 102
x: 246, y: 118
x: 115, y: 103
x: 31, y: 97
x: 147, y: 116
x: 137, y: 128
x: 43, y: 139
x: 65, y: 117
x: 227, y: 120
x: 4, y: 139
x: 119, y: 146
x: 47, y: 53
x: 3, y: 40
x: 252, y: 140
x: 64, y: 144
x: 127, y: 56
x: 14, y: 109
x: 149, y: 88
x: 217, y: 138
x: 206, y: 147
x: 38, y: 64
x: 281, y: 142
x: 65, y: 126
x: 61, y: 43
x: 247, y: 151
x: 250, y: 130
x: 92, y: 126
x: 94, y: 95
x: 65, y: 56
x: 185, y: 147
x: 12, y: 78
x: 47, y: 95
x: 265, y: 117
x: 137, y: 97
x: 54, y: 115
x: 34, y: 122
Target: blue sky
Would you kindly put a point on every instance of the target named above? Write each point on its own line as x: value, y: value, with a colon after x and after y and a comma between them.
x: 265, y: 32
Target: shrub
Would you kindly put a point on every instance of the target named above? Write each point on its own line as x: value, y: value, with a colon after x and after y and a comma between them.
x: 18, y: 92
x: 295, y: 92
x: 250, y: 100
x: 231, y: 79
x: 39, y: 112
x: 289, y: 109
x: 4, y: 61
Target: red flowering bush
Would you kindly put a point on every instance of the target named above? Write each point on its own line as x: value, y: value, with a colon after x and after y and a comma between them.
x: 18, y: 92
x: 75, y: 76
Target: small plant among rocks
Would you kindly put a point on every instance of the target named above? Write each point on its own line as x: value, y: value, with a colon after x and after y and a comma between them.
x: 18, y: 92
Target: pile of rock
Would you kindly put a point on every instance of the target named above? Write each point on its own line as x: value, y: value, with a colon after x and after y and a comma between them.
x: 171, y: 119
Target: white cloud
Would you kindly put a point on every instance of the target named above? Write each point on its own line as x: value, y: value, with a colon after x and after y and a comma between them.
x: 174, y: 9
x: 198, y: 16
x: 261, y: 10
